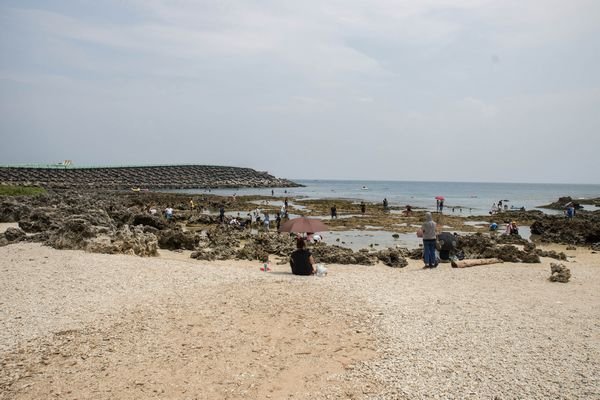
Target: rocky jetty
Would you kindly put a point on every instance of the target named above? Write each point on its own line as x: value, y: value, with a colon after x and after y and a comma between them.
x: 143, y: 177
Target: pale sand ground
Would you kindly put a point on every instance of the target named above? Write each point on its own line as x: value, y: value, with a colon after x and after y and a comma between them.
x: 89, y: 326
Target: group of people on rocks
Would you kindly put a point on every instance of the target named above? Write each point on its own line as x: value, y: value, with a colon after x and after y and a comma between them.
x: 431, y: 239
x: 499, y: 207
x: 502, y: 206
x: 167, y: 212
x: 511, y: 228
x: 363, y: 208
x: 253, y: 218
x: 302, y: 261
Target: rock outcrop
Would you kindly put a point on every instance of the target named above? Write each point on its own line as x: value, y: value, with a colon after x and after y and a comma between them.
x: 584, y: 229
x: 559, y: 273
x: 392, y: 258
x: 481, y: 246
x: 12, y: 235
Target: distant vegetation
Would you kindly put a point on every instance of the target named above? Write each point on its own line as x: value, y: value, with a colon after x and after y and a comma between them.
x: 10, y: 190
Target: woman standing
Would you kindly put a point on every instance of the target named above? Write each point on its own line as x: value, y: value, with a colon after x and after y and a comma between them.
x: 429, y: 236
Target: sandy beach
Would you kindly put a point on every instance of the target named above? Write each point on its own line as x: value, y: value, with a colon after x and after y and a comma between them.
x: 79, y: 325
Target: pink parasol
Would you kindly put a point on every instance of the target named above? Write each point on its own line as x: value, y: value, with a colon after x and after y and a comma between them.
x: 303, y: 225
x: 439, y: 197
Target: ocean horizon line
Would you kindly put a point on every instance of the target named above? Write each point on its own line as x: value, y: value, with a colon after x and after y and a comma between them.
x: 434, y: 181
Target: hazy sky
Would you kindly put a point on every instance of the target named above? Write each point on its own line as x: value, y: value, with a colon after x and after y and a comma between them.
x: 404, y: 90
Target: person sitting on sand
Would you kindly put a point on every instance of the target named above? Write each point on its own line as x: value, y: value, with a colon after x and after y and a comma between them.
x: 301, y: 260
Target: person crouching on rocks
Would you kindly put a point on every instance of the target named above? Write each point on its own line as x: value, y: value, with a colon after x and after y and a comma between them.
x: 301, y: 260
x: 169, y: 213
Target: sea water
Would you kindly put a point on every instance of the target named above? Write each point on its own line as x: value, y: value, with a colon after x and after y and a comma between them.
x: 473, y: 198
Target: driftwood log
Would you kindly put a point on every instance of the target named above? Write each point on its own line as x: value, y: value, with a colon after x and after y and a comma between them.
x: 473, y: 263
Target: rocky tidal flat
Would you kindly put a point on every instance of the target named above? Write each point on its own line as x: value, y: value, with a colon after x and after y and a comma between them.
x: 120, y: 222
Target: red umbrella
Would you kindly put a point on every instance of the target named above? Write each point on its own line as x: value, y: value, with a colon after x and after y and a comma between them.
x: 439, y: 197
x: 303, y: 225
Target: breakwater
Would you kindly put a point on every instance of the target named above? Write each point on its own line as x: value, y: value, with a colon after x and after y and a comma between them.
x: 144, y: 177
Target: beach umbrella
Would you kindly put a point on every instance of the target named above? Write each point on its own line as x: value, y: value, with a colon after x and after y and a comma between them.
x: 439, y: 197
x: 303, y: 225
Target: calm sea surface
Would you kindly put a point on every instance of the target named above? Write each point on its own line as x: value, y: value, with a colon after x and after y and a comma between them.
x: 473, y: 198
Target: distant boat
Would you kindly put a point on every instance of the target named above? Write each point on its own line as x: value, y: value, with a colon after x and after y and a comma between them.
x: 365, y: 188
